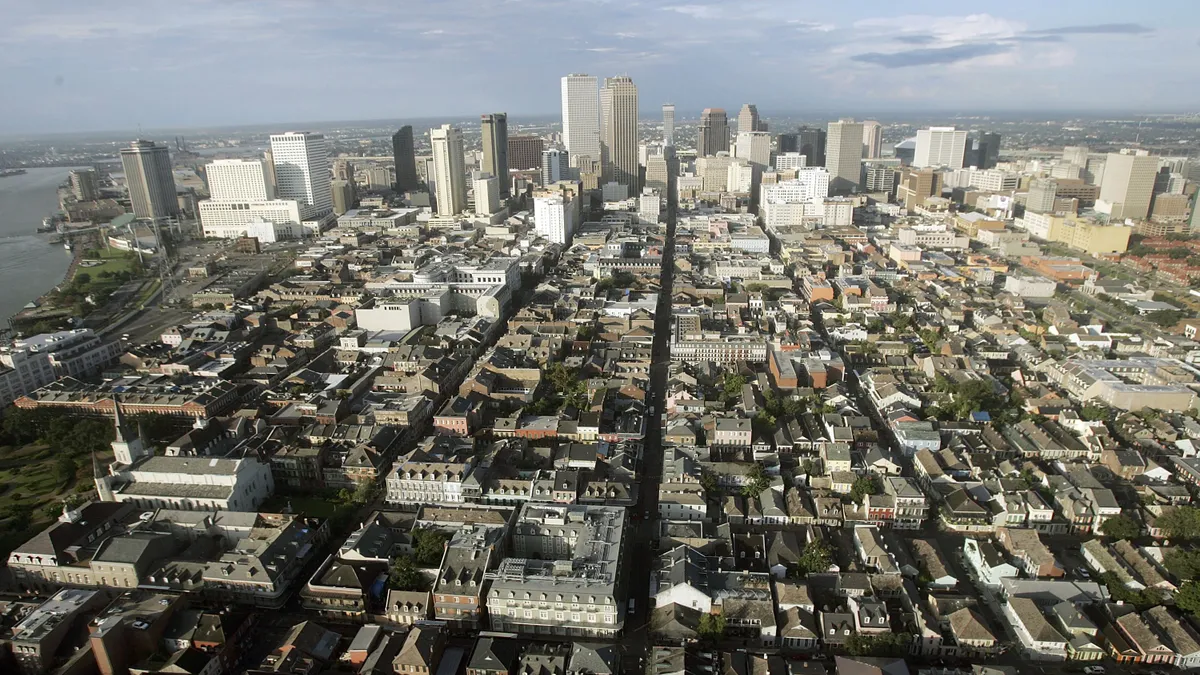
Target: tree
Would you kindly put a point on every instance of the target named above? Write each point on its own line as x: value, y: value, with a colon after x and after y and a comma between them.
x: 1185, y: 565
x: 1095, y: 413
x: 404, y: 575
x: 365, y: 491
x: 708, y: 481
x: 1165, y: 318
x: 1120, y: 527
x: 65, y: 468
x: 814, y: 559
x: 429, y: 545
x: 1188, y: 597
x: 865, y: 485
x: 711, y: 627
x: 731, y: 387
x: 83, y: 279
x: 884, y: 644
x: 1181, y: 522
x: 758, y: 481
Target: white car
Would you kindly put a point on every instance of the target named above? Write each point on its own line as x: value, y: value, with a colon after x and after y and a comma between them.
x: 1094, y: 670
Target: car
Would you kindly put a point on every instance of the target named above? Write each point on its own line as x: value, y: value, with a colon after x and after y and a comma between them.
x: 1094, y: 670
x: 1083, y: 572
x: 632, y: 607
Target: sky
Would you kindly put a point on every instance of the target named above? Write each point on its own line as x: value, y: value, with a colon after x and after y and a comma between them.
x: 83, y: 65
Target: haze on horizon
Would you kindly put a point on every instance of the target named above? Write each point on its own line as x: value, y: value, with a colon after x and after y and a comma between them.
x: 72, y: 66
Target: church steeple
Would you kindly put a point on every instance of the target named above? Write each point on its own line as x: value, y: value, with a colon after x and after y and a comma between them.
x: 128, y: 447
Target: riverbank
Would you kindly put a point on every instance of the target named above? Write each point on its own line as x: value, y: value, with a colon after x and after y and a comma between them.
x: 30, y: 265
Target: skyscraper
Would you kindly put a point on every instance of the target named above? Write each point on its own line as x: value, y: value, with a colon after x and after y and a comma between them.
x: 987, y: 151
x: 1075, y: 154
x: 1128, y: 185
x: 668, y: 110
x: 748, y: 118
x: 754, y: 146
x: 1040, y: 198
x: 940, y: 147
x: 495, y: 148
x: 83, y: 185
x: 713, y: 133
x: 581, y: 117
x: 302, y: 171
x: 486, y: 189
x: 844, y: 155
x: 787, y: 143
x: 553, y: 163
x: 244, y: 180
x: 525, y: 152
x: 149, y: 179
x: 812, y: 145
x: 405, y: 155
x: 872, y: 140
x: 449, y: 170
x: 619, y: 140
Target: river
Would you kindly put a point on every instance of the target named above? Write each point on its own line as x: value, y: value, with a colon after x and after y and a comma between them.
x: 29, y: 265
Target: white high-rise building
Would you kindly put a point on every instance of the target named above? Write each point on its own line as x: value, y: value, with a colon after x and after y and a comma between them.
x: 754, y: 146
x: 619, y: 132
x: 487, y: 194
x: 940, y: 147
x: 843, y: 155
x: 790, y: 202
x: 449, y: 170
x: 668, y: 110
x: 872, y: 140
x: 1128, y: 185
x: 240, y: 180
x: 302, y: 170
x: 790, y: 160
x: 553, y: 163
x: 554, y: 216
x: 581, y: 117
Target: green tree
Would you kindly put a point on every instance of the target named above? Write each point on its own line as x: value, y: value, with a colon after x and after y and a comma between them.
x: 1095, y: 413
x: 884, y: 644
x: 815, y: 558
x: 1181, y: 522
x: 865, y: 485
x: 65, y: 468
x: 1188, y: 597
x: 731, y: 387
x: 404, y: 575
x: 429, y: 545
x: 1185, y: 565
x: 1165, y: 318
x: 758, y: 481
x: 708, y: 481
x: 1120, y: 527
x: 365, y: 491
x: 711, y: 627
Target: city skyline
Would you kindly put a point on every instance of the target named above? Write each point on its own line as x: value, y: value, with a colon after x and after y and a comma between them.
x: 1063, y: 56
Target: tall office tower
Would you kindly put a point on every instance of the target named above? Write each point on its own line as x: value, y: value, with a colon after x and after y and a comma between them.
x: 748, y: 118
x: 754, y: 146
x: 987, y: 150
x: 940, y: 147
x: 785, y: 143
x: 525, y: 152
x: 1128, y: 185
x: 658, y: 173
x: 785, y: 161
x: 872, y: 140
x: 1042, y: 192
x: 149, y: 179
x: 243, y: 180
x: 844, y: 155
x: 713, y: 133
x: 812, y: 145
x: 495, y: 148
x: 619, y: 140
x: 269, y: 161
x: 668, y: 124
x: 553, y: 163
x: 343, y: 196
x: 555, y: 212
x: 449, y: 170
x: 878, y: 177
x: 405, y: 154
x: 343, y: 169
x: 302, y: 170
x: 1075, y: 154
x: 486, y: 188
x: 581, y: 117
x: 83, y: 185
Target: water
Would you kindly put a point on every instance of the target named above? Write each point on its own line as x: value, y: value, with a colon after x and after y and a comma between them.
x: 29, y: 265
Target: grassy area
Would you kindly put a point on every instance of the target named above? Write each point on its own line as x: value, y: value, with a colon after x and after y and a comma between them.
x: 113, y: 261
x: 32, y: 491
x: 316, y: 507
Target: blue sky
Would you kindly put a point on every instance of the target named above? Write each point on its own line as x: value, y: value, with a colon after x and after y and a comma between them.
x: 78, y: 65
